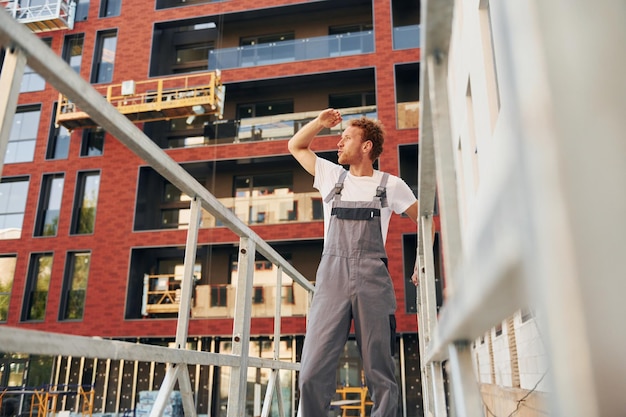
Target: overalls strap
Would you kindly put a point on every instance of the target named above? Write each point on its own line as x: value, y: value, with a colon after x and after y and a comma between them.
x: 336, y: 192
x: 381, y: 190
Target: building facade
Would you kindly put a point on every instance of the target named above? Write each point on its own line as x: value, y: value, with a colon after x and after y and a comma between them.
x: 92, y: 239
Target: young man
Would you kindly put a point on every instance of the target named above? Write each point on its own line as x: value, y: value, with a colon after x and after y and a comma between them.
x: 352, y: 280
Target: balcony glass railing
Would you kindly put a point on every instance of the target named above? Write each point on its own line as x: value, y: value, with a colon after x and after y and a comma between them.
x: 281, y: 126
x: 406, y: 37
x: 161, y: 295
x: 292, y: 50
x: 281, y: 206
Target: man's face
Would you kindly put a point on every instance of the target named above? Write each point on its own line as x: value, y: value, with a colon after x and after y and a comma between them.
x: 351, y: 147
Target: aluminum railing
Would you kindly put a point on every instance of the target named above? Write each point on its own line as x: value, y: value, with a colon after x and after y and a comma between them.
x: 548, y: 230
x: 25, y: 48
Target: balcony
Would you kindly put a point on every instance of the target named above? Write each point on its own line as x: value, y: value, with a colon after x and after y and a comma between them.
x: 43, y: 15
x: 292, y: 50
x: 406, y: 37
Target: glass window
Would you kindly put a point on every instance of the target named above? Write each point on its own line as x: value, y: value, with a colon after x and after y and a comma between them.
x: 31, y: 80
x: 7, y: 273
x: 75, y: 285
x: 264, y: 198
x: 219, y: 295
x: 82, y: 10
x: 257, y: 295
x: 92, y: 142
x: 407, y: 95
x: 109, y: 8
x: 86, y: 201
x: 13, y: 194
x: 343, y: 101
x: 21, y: 146
x: 175, y: 207
x: 264, y: 109
x: 47, y: 222
x: 58, y: 140
x: 73, y: 50
x: 104, y: 57
x: 37, y: 285
x: 408, y: 165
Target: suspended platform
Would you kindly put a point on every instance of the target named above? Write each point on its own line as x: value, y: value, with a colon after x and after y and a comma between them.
x: 152, y: 100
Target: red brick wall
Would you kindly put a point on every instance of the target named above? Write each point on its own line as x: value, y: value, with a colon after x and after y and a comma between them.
x: 114, y: 238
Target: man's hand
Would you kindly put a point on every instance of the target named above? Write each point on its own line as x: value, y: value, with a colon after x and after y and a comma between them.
x: 415, y: 277
x: 329, y: 118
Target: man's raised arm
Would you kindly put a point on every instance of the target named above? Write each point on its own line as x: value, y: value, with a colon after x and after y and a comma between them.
x: 300, y: 144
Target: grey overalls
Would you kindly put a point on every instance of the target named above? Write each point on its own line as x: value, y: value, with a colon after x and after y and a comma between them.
x: 352, y: 283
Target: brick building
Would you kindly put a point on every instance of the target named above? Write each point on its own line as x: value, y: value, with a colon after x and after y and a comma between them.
x: 92, y: 239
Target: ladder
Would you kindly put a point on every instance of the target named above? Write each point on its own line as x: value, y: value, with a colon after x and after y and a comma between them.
x: 548, y: 229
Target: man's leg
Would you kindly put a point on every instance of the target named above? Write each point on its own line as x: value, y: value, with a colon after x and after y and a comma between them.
x: 373, y: 320
x: 326, y: 335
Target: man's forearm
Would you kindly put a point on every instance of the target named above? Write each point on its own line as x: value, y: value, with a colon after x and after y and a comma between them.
x: 303, y: 137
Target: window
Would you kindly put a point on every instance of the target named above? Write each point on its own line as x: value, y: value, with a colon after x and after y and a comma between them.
x: 318, y: 208
x: 73, y: 50
x: 7, y: 273
x: 82, y: 10
x: 175, y: 207
x: 245, y: 111
x: 194, y: 57
x: 109, y: 8
x: 342, y: 101
x: 86, y: 201
x: 219, y: 295
x: 31, y: 80
x: 92, y: 143
x: 498, y: 329
x: 257, y: 295
x: 265, y: 198
x: 408, y: 159
x: 75, y: 285
x: 409, y: 249
x: 47, y: 222
x: 104, y: 57
x: 37, y: 285
x: 13, y: 194
x: 21, y: 146
x: 287, y: 294
x: 58, y: 140
x: 407, y: 95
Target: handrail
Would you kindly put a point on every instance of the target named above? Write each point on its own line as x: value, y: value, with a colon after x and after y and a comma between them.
x: 61, y: 76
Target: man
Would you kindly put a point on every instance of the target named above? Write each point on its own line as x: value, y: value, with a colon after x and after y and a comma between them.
x: 352, y: 280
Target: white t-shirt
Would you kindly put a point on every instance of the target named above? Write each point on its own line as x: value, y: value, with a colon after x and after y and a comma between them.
x: 399, y: 195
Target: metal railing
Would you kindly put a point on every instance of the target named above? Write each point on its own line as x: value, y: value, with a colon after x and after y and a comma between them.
x: 530, y: 241
x: 25, y: 48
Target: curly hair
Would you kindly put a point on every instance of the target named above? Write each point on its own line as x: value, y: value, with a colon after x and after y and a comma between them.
x: 374, y: 131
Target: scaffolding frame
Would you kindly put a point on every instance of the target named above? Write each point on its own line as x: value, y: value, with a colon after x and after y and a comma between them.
x: 23, y: 47
x: 550, y: 229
